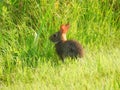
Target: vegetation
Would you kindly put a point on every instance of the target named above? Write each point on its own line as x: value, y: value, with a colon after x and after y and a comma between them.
x: 28, y: 59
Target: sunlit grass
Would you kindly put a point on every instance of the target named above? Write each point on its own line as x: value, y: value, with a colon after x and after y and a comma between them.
x: 28, y: 59
x: 95, y: 71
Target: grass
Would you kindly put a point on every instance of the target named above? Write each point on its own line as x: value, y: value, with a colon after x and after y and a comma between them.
x: 95, y: 71
x: 28, y: 59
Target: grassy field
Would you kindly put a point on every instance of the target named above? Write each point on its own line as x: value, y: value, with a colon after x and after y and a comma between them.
x: 28, y: 60
x: 99, y: 71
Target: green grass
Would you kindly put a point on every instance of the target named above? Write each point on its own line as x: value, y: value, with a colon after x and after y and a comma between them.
x: 95, y: 71
x: 28, y: 59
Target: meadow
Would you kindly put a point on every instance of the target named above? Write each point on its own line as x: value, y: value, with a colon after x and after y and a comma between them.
x: 28, y: 59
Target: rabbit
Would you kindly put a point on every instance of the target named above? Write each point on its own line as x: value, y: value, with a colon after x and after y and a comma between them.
x: 66, y: 48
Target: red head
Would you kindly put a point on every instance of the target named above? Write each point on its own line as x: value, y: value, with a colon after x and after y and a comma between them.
x: 60, y: 35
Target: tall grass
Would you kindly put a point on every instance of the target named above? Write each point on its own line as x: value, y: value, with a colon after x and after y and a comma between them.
x: 28, y: 59
x: 95, y: 71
